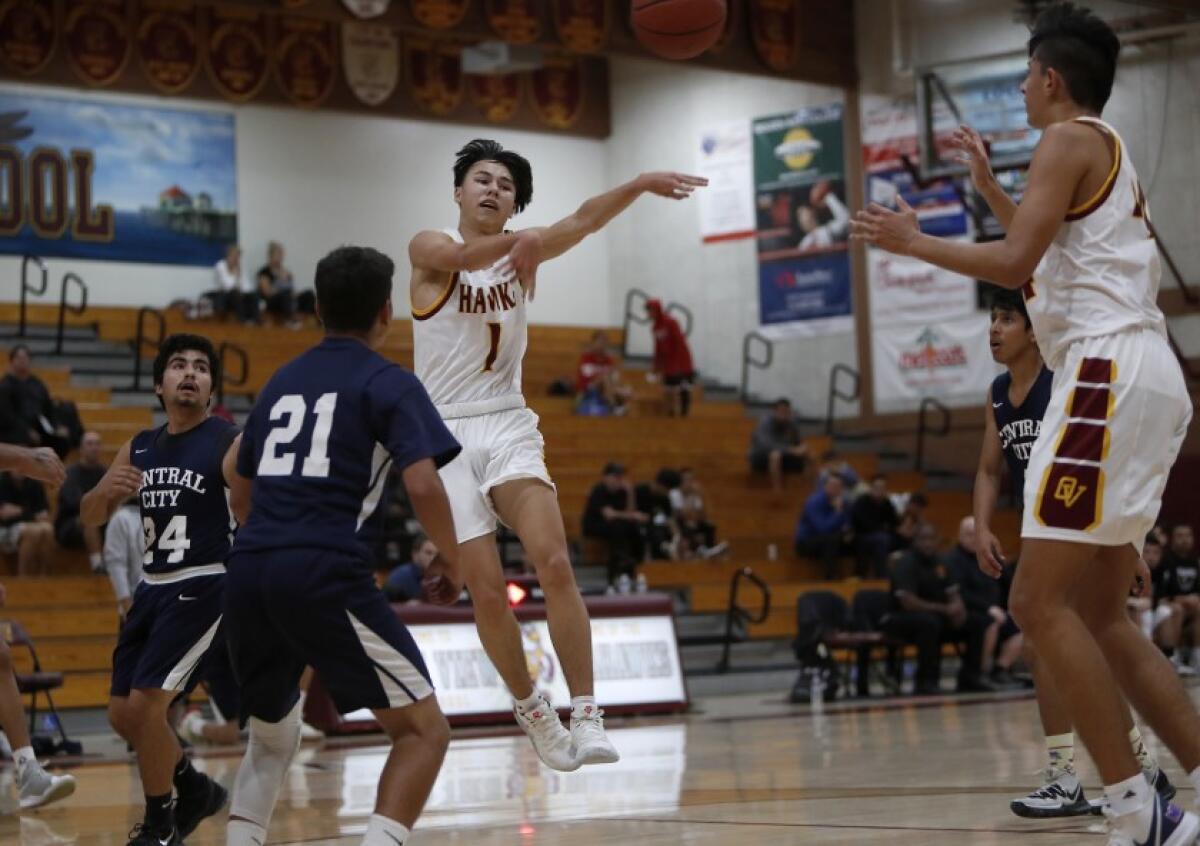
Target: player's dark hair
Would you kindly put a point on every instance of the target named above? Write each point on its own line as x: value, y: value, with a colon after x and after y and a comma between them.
x: 353, y: 284
x: 486, y: 150
x: 1006, y: 299
x: 1081, y: 48
x: 179, y: 342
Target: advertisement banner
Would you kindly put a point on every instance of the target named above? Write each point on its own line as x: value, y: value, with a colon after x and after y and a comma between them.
x: 945, y: 359
x: 803, y: 222
x: 906, y: 290
x: 97, y: 179
x: 725, y: 157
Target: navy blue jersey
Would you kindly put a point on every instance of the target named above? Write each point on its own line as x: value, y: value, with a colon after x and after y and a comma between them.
x: 185, y: 510
x: 319, y: 443
x: 1019, y: 426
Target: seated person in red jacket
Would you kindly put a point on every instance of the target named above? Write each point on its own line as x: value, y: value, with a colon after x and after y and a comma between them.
x: 672, y: 360
x: 598, y: 386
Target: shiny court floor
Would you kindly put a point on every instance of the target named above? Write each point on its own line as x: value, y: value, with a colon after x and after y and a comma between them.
x: 747, y: 771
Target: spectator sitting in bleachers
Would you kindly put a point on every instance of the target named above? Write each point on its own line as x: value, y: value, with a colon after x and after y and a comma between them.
x: 927, y: 611
x: 1178, y: 585
x: 823, y: 530
x: 832, y: 462
x: 611, y: 515
x: 654, y: 499
x: 983, y: 597
x: 874, y: 521
x: 776, y: 447
x: 276, y: 288
x: 697, y: 536
x: 25, y: 524
x: 598, y: 387
x: 29, y: 411
x: 403, y: 584
x: 81, y: 478
x: 912, y: 518
x: 233, y: 296
x: 672, y: 360
x: 124, y: 547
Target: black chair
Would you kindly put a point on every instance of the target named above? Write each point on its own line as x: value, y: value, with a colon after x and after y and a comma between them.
x: 37, y: 682
x: 868, y: 610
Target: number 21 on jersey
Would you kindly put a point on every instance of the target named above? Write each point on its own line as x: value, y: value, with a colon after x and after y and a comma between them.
x: 291, y: 410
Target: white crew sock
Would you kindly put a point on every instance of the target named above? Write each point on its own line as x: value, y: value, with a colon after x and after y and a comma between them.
x: 1132, y: 799
x: 582, y: 706
x: 529, y: 702
x: 23, y: 757
x: 383, y: 831
x: 244, y: 833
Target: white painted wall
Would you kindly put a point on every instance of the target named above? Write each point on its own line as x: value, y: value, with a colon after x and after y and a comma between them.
x: 316, y: 180
x: 659, y: 112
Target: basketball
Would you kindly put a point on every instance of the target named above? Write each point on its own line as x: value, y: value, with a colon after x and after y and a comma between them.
x: 678, y: 29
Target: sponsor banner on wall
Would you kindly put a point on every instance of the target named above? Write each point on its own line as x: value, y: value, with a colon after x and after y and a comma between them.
x: 907, y: 290
x: 725, y: 156
x: 802, y: 221
x: 168, y: 43
x: 371, y: 61
x: 26, y: 35
x: 98, y: 179
x: 945, y: 359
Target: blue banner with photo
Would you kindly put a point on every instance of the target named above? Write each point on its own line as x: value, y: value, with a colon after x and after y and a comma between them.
x: 98, y: 179
x: 812, y: 287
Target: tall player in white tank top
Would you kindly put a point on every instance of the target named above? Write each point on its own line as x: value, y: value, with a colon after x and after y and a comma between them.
x: 470, y: 288
x: 1081, y: 247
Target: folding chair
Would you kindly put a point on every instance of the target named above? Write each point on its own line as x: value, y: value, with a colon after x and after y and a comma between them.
x: 37, y: 682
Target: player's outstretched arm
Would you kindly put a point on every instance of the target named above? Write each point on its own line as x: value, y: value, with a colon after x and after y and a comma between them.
x: 975, y: 155
x: 121, y: 480
x: 239, y: 486
x: 40, y: 463
x: 1054, y: 175
x: 433, y: 250
x: 987, y: 494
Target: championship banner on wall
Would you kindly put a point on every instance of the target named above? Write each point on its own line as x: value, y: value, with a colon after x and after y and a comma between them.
x: 497, y: 96
x: 906, y: 290
x: 946, y: 359
x: 371, y: 61
x: 556, y: 90
x: 435, y: 77
x: 168, y: 43
x: 582, y: 24
x: 439, y: 14
x: 515, y: 21
x: 803, y: 222
x: 26, y: 35
x: 236, y: 51
x: 103, y: 180
x: 733, y: 14
x: 367, y: 8
x: 773, y: 28
x: 97, y: 39
x: 725, y: 157
x: 306, y: 60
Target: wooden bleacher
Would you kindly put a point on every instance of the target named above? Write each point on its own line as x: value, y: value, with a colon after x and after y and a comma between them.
x: 73, y: 618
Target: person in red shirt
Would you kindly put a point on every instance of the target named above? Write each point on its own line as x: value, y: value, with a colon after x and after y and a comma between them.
x: 598, y: 381
x: 672, y: 360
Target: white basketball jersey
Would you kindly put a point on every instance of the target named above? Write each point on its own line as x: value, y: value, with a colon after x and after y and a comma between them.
x: 1100, y: 275
x: 468, y: 345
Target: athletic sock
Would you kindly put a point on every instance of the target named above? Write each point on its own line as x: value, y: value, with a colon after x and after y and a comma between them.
x: 529, y: 702
x: 1145, y: 757
x: 96, y: 561
x: 582, y: 706
x: 244, y: 833
x: 1061, y: 751
x: 1133, y: 799
x: 187, y: 779
x: 23, y: 757
x: 383, y: 831
x: 1194, y: 778
x: 160, y: 813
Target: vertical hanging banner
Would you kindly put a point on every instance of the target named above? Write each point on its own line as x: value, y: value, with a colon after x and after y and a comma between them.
x: 26, y: 35
x: 435, y: 76
x: 725, y: 156
x: 367, y: 8
x: 236, y: 51
x: 306, y: 60
x: 803, y: 221
x: 168, y: 43
x: 370, y: 60
x: 439, y: 14
x: 582, y: 24
x: 773, y: 28
x: 96, y: 34
x: 516, y: 21
x: 557, y: 91
x: 497, y: 96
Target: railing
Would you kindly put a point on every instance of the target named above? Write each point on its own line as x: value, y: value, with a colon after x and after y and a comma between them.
x: 142, y: 340
x: 749, y: 361
x: 78, y: 308
x: 26, y: 289
x: 635, y: 310
x: 222, y: 354
x: 684, y: 312
x: 1188, y: 294
x: 836, y: 392
x: 737, y: 616
x: 923, y: 428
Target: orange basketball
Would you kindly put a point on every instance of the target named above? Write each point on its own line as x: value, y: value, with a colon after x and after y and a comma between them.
x: 678, y: 29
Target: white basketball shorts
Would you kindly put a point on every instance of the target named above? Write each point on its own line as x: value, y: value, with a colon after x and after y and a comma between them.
x: 497, y: 447
x: 1118, y: 413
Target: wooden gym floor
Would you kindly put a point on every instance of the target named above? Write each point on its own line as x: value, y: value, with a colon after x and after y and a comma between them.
x: 747, y: 771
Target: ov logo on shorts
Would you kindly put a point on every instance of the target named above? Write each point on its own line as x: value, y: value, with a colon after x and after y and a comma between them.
x: 1069, y: 491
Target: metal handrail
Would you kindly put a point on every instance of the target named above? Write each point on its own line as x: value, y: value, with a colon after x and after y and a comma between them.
x: 739, y: 615
x: 25, y: 289
x: 688, y: 318
x: 1188, y: 293
x: 748, y: 360
x: 67, y: 279
x: 222, y: 353
x: 923, y: 428
x: 142, y: 340
x: 836, y: 393
x: 636, y: 315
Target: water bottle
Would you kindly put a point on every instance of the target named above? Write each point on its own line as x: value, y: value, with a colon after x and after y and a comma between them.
x: 50, y: 724
x: 772, y: 552
x: 816, y: 690
x: 642, y: 586
x: 624, y: 584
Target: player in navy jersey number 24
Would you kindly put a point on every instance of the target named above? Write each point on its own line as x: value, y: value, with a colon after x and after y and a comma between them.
x: 180, y: 472
x: 315, y: 456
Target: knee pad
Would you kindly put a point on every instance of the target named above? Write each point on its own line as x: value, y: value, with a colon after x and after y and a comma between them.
x: 269, y: 753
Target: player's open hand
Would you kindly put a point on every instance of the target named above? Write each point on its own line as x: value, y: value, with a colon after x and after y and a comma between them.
x: 441, y: 582
x: 973, y: 152
x: 44, y: 465
x: 889, y: 230
x: 989, y: 554
x: 523, y: 260
x: 674, y: 186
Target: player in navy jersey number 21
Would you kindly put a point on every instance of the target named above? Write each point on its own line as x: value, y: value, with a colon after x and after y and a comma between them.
x: 315, y: 455
x: 180, y: 472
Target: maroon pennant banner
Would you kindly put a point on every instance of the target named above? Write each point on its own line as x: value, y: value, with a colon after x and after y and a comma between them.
x: 168, y: 43
x: 435, y: 76
x: 96, y: 34
x: 557, y: 91
x: 582, y: 24
x: 306, y: 60
x: 439, y: 14
x: 236, y: 52
x: 773, y: 27
x: 26, y: 35
x: 516, y: 21
x: 498, y: 97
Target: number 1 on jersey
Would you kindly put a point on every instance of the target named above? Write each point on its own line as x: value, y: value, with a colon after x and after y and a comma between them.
x: 494, y: 331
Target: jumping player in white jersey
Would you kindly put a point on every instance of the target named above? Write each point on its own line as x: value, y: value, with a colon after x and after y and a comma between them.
x: 470, y: 287
x: 1081, y: 247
